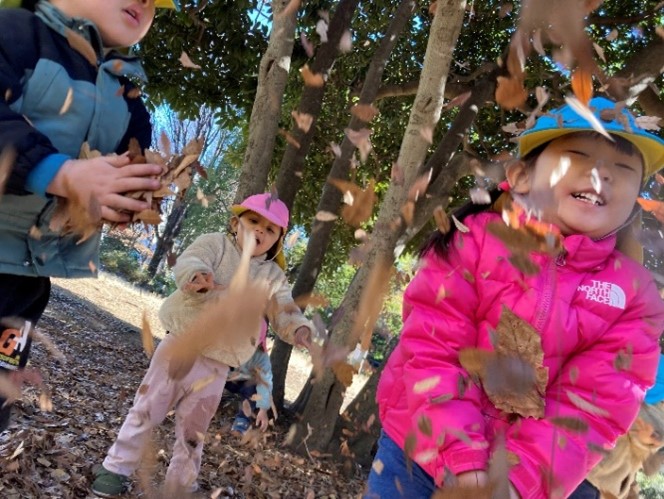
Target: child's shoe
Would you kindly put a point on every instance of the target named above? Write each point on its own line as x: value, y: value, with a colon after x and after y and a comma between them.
x: 240, y: 425
x: 109, y: 484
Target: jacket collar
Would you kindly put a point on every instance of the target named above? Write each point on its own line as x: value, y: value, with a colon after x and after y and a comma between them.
x: 584, y: 253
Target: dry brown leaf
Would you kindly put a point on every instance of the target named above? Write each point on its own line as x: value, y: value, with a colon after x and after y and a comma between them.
x: 307, y: 45
x: 582, y: 85
x: 510, y: 92
x: 584, y: 405
x: 344, y: 372
x: 361, y: 140
x: 150, y: 217
x: 289, y: 138
x: 364, y: 112
x: 81, y: 45
x: 69, y: 98
x: 359, y: 203
x: 371, y: 303
x: 442, y: 220
x: 186, y: 61
x: 574, y: 424
x: 7, y: 159
x: 303, y: 120
x: 310, y: 78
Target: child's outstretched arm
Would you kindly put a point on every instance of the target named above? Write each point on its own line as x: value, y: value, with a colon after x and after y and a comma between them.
x: 594, y: 399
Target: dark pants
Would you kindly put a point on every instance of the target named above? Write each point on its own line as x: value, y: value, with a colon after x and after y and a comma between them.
x: 21, y: 299
x: 246, y: 389
x: 585, y: 491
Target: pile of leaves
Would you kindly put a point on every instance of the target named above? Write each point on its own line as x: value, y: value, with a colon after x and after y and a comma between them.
x: 52, y: 454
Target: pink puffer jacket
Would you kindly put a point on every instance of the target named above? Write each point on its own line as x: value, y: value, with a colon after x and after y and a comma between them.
x: 599, y: 316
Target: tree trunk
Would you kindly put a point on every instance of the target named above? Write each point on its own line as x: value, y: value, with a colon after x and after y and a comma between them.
x: 166, y: 240
x: 266, y: 113
x: 322, y: 409
x: 331, y: 197
x: 311, y: 102
x: 359, y: 424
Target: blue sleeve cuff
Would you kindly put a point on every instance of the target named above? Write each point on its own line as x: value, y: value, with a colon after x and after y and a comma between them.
x: 42, y: 174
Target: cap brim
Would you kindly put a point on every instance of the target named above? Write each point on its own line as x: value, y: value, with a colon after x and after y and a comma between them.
x: 166, y: 4
x: 238, y: 209
x: 651, y: 149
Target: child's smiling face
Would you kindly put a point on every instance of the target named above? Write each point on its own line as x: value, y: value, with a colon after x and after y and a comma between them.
x: 265, y: 232
x: 581, y: 183
x: 121, y: 23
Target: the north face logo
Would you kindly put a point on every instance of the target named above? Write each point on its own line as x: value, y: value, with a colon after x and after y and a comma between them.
x: 605, y: 292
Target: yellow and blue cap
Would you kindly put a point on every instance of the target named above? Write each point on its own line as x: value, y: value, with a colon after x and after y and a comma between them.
x: 615, y: 120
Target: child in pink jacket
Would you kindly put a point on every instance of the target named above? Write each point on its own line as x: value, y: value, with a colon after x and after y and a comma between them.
x: 204, y: 270
x: 526, y: 329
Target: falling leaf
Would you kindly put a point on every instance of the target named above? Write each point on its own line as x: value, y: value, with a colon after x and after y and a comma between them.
x: 186, y: 61
x: 586, y: 406
x: 303, y: 120
x: 289, y: 138
x: 460, y: 226
x: 69, y: 98
x: 7, y: 159
x: 146, y: 336
x: 510, y: 93
x: 361, y: 201
x: 575, y: 424
x: 346, y: 42
x: 364, y: 112
x: 648, y: 122
x: 426, y: 132
x: 82, y: 46
x: 442, y: 220
x: 582, y: 85
x: 360, y: 139
x: 505, y: 10
x: 371, y: 302
x: 321, y: 29
x: 600, y: 52
x: 150, y: 217
x: 560, y: 170
x: 306, y: 44
x: 596, y: 181
x: 201, y: 383
x: 582, y: 110
x: 612, y: 35
x: 325, y: 216
x: 311, y: 79
x: 458, y: 101
x: 426, y: 385
x: 336, y: 150
x: 652, y: 206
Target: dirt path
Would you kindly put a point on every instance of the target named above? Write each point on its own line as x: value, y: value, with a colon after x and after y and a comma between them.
x: 50, y: 454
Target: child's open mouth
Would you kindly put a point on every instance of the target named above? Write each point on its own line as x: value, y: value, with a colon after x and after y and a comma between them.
x: 589, y: 197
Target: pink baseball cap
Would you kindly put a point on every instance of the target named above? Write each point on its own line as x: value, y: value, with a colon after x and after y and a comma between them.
x: 266, y: 205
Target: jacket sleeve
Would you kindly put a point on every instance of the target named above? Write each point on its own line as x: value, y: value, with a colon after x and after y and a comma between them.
x: 439, y: 321
x: 200, y: 256
x: 19, y: 53
x: 282, y: 312
x: 264, y: 385
x: 601, y: 387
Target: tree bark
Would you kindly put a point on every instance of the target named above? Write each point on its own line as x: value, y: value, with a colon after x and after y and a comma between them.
x: 643, y: 68
x: 166, y: 240
x: 289, y: 177
x: 322, y: 409
x: 266, y: 112
x: 331, y: 197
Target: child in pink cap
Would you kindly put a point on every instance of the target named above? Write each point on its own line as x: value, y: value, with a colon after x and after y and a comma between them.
x: 207, y: 265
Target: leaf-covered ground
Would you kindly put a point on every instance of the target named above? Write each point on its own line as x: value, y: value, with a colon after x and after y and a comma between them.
x: 51, y: 454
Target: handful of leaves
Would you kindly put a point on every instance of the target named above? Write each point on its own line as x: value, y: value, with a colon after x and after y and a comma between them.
x: 83, y: 217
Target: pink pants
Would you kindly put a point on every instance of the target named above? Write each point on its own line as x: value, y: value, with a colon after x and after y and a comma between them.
x: 195, y: 399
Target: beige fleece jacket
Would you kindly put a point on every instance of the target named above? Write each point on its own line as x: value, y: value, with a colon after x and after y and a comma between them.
x: 218, y: 254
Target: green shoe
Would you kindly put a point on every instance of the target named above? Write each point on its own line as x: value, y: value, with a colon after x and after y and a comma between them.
x: 109, y: 484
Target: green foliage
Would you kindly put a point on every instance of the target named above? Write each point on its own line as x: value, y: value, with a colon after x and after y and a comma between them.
x: 219, y: 36
x: 652, y: 487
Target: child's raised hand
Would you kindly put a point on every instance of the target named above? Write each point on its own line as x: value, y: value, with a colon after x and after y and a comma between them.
x: 262, y: 420
x: 106, y: 179
x: 202, y: 282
